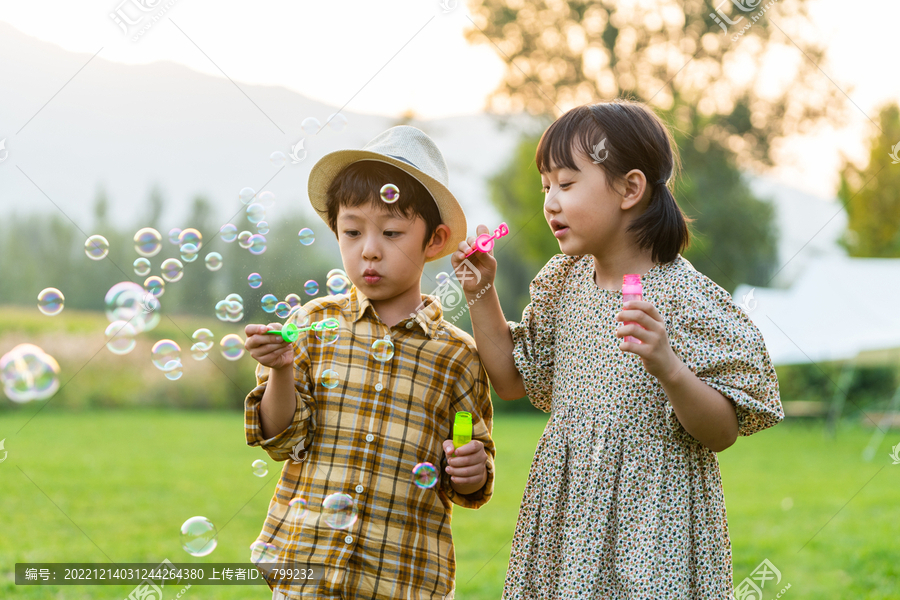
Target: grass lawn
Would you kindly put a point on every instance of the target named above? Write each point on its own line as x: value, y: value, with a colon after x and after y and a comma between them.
x: 116, y: 485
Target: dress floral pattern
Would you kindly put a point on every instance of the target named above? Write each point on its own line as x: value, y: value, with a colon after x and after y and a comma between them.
x: 621, y: 502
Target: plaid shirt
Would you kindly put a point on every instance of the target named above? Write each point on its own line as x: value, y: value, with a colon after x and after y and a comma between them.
x: 363, y: 438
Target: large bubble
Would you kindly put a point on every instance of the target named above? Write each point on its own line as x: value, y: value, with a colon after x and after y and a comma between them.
x: 29, y: 373
x: 190, y: 236
x: 51, y: 301
x: 232, y: 346
x: 172, y: 270
x: 198, y: 536
x: 127, y: 301
x: 147, y: 242
x: 339, y: 511
x: 120, y: 337
x: 165, y: 352
x: 96, y: 247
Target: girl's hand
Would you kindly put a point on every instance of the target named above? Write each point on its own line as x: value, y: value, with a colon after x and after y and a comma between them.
x: 647, y: 325
x: 266, y: 349
x: 483, y: 262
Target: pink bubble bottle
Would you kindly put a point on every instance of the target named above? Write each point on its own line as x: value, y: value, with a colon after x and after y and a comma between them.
x: 631, y: 290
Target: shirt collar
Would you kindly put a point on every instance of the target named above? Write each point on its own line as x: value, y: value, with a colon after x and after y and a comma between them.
x: 429, y: 315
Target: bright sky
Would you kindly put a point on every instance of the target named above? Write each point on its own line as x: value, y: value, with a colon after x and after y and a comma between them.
x: 341, y: 53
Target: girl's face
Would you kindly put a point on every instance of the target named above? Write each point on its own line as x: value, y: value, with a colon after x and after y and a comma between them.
x: 585, y: 214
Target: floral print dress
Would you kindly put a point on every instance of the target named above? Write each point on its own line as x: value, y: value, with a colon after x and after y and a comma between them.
x: 621, y: 502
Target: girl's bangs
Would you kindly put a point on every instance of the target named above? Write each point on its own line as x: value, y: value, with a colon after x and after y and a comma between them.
x: 573, y: 132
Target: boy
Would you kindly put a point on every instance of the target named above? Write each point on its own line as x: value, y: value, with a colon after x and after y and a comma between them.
x: 355, y: 415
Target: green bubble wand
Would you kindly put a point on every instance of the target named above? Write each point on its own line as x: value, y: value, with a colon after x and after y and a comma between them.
x: 291, y: 333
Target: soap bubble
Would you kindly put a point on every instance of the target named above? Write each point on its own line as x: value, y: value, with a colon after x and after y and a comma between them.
x: 326, y: 331
x: 198, y: 352
x: 164, y: 352
x: 425, y: 475
x: 120, y: 337
x: 390, y: 193
x: 51, y: 301
x: 255, y: 280
x: 442, y: 278
x: 235, y: 298
x: 141, y: 266
x: 268, y: 303
x: 147, y: 242
x: 277, y: 158
x: 266, y: 198
x: 174, y: 235
x: 198, y: 536
x: 292, y: 300
x: 339, y: 511
x: 335, y: 272
x: 262, y: 227
x: 190, y: 236
x: 311, y: 288
x: 189, y: 252
x: 228, y: 232
x: 337, y: 122
x: 260, y: 469
x: 306, y: 236
x: 155, y: 285
x: 282, y: 310
x: 28, y: 373
x: 246, y: 195
x: 338, y: 284
x: 256, y: 212
x: 263, y: 552
x: 298, y: 508
x: 382, y: 350
x: 173, y: 371
x: 222, y: 310
x: 257, y: 244
x: 232, y: 346
x: 213, y: 261
x: 330, y: 378
x: 300, y: 316
x: 244, y: 239
x: 172, y: 270
x: 127, y: 301
x: 96, y: 247
x: 310, y: 126
x: 204, y: 337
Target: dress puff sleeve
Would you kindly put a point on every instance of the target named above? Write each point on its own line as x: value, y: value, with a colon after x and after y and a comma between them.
x: 534, y: 336
x: 723, y: 347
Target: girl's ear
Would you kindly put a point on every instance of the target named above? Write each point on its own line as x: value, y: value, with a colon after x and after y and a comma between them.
x: 635, y: 188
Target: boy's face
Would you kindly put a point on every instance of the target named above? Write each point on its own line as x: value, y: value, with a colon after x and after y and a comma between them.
x: 373, y: 240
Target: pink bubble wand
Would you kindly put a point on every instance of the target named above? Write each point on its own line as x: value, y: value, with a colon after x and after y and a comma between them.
x: 485, y: 241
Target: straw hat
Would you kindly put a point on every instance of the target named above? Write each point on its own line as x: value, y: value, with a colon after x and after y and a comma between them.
x: 410, y: 150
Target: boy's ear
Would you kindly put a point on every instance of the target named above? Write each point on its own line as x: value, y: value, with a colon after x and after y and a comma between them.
x: 439, y: 240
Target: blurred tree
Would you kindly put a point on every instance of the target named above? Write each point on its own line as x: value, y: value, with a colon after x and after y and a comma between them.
x: 155, y: 207
x: 871, y: 195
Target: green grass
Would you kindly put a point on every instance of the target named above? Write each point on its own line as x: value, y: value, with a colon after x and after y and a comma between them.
x: 118, y: 484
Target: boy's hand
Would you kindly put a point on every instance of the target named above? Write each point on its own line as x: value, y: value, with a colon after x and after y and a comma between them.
x: 268, y: 350
x: 484, y: 262
x: 466, y: 466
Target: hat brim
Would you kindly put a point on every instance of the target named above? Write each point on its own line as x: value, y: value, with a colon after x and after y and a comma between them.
x: 328, y: 167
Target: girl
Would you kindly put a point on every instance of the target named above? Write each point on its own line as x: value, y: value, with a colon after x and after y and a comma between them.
x: 624, y: 498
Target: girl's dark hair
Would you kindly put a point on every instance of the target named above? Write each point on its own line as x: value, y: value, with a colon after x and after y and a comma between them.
x: 635, y: 138
x: 360, y: 183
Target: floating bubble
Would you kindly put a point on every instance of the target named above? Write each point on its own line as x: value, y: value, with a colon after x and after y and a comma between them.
x: 425, y: 475
x: 173, y: 370
x: 300, y: 316
x: 292, y: 300
x: 51, y: 301
x: 262, y: 227
x: 382, y: 350
x: 246, y: 195
x: 235, y: 298
x: 260, y: 469
x: 268, y: 303
x: 204, y: 337
x: 277, y: 158
x: 164, y: 352
x: 257, y: 244
x: 232, y: 346
x: 189, y: 252
x: 442, y: 278
x: 337, y: 122
x: 172, y: 270
x: 96, y: 247
x: 198, y: 352
x: 254, y: 280
x: 306, y: 236
x: 120, y: 337
x: 228, y: 232
x: 174, y: 235
x: 222, y: 310
x: 311, y: 288
x: 213, y: 261
x: 339, y: 511
x: 147, y: 242
x: 244, y: 239
x: 28, y: 373
x: 256, y: 212
x: 390, y: 193
x: 141, y: 266
x: 127, y: 301
x: 198, y: 536
x: 190, y: 236
x: 310, y: 126
x: 338, y: 284
x: 298, y: 508
x: 330, y: 378
x: 266, y: 198
x: 155, y: 285
x: 326, y: 331
x: 263, y: 552
x: 282, y: 310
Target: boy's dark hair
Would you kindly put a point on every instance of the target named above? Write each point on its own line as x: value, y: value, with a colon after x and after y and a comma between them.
x: 635, y: 139
x: 360, y: 183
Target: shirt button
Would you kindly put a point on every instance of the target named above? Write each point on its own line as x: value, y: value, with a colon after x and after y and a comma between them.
x: 378, y: 387
x: 409, y: 325
x: 370, y: 438
x: 359, y: 489
x: 349, y: 539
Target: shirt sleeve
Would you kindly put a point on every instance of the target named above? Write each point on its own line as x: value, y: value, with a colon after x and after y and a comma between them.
x: 294, y: 441
x: 535, y: 335
x: 473, y: 394
x: 725, y: 349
